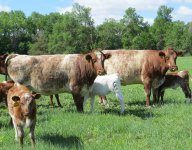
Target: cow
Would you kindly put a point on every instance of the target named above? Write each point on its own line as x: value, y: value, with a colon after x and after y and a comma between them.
x: 102, y: 86
x: 22, y: 109
x: 2, y: 64
x: 54, y: 74
x: 147, y: 67
x: 4, y: 87
x: 174, y: 80
x: 4, y: 72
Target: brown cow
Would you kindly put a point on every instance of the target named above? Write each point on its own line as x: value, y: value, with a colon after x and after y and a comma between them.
x: 4, y: 87
x: 146, y: 67
x: 22, y: 109
x: 53, y: 74
x: 174, y: 80
x: 2, y: 64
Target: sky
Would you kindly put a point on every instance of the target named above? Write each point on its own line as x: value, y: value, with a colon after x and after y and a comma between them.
x: 102, y: 9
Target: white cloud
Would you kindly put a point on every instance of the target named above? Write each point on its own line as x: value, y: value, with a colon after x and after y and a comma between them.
x: 183, y: 10
x: 4, y: 8
x: 63, y: 10
x: 104, y: 9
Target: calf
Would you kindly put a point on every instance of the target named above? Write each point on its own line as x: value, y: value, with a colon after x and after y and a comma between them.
x: 4, y: 87
x: 174, y: 80
x: 104, y: 85
x: 22, y: 109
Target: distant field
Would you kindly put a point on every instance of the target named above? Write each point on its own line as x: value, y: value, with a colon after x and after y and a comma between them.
x: 165, y: 127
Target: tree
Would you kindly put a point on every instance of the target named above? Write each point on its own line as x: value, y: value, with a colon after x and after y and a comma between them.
x: 74, y: 34
x: 161, y: 26
x: 187, y: 38
x: 14, y: 35
x: 174, y: 36
x: 109, y: 35
x: 133, y: 26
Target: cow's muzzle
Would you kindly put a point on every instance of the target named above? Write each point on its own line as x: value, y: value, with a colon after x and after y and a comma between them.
x: 173, y: 68
x: 101, y: 72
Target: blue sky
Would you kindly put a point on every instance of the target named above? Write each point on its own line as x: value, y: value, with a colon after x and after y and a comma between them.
x: 102, y: 9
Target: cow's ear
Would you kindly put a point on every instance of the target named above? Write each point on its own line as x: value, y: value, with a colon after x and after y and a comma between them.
x: 179, y: 53
x: 107, y: 55
x: 88, y: 57
x: 15, y: 98
x: 161, y: 54
x: 35, y: 95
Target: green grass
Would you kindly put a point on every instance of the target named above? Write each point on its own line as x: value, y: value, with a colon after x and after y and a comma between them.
x: 165, y: 127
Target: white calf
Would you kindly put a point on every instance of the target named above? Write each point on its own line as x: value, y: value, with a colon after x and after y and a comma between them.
x: 102, y: 86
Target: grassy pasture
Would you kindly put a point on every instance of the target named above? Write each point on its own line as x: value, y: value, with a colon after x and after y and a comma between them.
x: 165, y: 127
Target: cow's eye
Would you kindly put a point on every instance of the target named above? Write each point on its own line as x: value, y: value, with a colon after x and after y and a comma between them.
x: 167, y: 58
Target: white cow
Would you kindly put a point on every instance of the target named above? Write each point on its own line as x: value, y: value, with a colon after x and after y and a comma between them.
x: 102, y: 86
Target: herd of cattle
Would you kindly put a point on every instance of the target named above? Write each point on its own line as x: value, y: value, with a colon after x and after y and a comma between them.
x: 84, y: 77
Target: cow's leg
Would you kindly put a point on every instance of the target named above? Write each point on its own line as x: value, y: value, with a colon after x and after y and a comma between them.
x: 15, y: 127
x: 187, y: 91
x: 92, y: 103
x: 103, y: 100
x: 51, y: 100
x: 147, y: 88
x: 162, y: 93
x: 32, y: 134
x: 119, y: 96
x: 58, y: 102
x: 20, y: 135
x: 78, y: 99
x: 155, y: 95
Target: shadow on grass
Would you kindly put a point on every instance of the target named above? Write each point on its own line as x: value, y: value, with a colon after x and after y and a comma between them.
x: 71, y: 142
x: 140, y: 112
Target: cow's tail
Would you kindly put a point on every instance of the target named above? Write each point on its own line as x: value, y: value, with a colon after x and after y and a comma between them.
x: 7, y: 62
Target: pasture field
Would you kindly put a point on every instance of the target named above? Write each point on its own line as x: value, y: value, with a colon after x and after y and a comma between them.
x: 163, y: 127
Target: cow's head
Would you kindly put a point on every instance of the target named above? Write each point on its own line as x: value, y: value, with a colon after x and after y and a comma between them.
x: 170, y: 57
x: 2, y: 64
x: 26, y: 102
x: 97, y: 60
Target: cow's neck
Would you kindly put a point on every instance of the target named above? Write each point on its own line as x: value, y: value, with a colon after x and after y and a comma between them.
x: 88, y: 73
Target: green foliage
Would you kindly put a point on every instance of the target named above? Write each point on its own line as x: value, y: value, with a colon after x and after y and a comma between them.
x: 133, y: 26
x: 161, y: 26
x: 109, y: 35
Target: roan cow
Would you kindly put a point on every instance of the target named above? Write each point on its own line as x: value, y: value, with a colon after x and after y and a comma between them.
x: 22, y: 109
x: 146, y: 67
x: 102, y: 86
x: 174, y: 80
x: 54, y: 74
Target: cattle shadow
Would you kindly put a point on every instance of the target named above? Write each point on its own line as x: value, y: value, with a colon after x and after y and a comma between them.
x: 71, y: 142
x: 143, y: 113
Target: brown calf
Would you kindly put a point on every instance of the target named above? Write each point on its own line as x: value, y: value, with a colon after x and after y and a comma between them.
x: 22, y: 109
x: 4, y: 87
x: 174, y: 80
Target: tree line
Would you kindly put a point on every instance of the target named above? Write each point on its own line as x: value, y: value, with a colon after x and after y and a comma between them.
x: 75, y: 32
